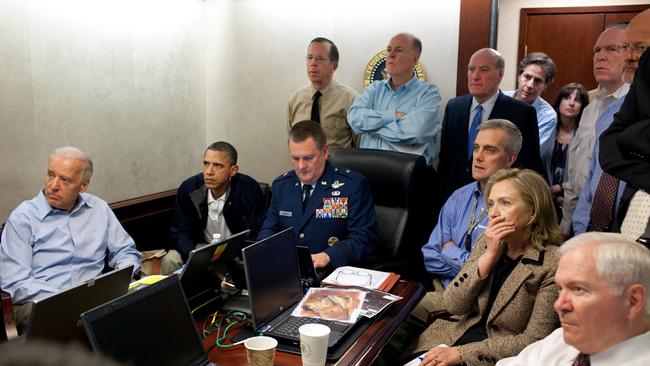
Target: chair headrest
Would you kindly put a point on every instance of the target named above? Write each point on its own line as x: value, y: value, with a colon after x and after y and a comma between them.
x: 391, y: 174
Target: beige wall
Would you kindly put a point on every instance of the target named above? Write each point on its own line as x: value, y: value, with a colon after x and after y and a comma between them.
x: 123, y: 80
x: 508, y: 33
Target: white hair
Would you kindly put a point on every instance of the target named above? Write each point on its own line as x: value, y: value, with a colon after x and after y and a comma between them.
x: 75, y: 153
x: 620, y: 261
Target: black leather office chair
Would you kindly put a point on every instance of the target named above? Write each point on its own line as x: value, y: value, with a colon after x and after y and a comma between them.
x: 7, y: 313
x: 406, y: 198
x: 266, y: 192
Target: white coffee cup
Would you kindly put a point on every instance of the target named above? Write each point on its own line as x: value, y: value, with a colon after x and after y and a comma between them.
x: 313, y: 344
x: 260, y: 351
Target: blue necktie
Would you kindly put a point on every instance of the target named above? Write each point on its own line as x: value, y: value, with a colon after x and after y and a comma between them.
x: 473, y: 130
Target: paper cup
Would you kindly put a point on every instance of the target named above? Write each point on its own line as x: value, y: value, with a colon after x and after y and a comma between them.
x: 260, y: 351
x: 313, y: 344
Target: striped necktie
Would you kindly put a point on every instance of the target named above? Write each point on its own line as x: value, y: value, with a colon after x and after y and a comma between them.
x: 581, y: 360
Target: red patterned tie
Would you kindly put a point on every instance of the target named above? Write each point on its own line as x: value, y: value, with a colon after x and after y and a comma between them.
x: 603, y: 206
x: 581, y: 360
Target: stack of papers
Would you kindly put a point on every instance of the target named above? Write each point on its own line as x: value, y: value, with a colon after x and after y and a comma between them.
x: 361, y: 277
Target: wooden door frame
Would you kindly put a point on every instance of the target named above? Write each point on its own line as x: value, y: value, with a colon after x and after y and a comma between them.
x: 525, y: 12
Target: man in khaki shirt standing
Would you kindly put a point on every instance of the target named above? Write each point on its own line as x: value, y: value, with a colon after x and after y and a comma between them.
x: 324, y: 100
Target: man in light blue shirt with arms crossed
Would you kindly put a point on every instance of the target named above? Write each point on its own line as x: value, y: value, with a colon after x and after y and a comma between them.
x: 61, y: 237
x: 400, y: 113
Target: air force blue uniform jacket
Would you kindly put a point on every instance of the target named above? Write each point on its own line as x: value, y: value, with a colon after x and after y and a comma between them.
x: 339, y: 218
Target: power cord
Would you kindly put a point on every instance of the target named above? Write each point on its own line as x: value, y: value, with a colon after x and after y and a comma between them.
x: 231, y: 318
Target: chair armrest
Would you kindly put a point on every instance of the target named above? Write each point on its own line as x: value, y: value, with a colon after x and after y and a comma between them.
x: 8, y: 316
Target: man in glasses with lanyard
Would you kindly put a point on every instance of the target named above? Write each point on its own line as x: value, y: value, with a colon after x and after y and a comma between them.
x: 463, y: 218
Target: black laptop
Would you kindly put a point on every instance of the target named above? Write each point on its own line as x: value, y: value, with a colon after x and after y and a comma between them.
x: 56, y: 318
x: 207, y: 266
x: 275, y: 289
x: 151, y: 326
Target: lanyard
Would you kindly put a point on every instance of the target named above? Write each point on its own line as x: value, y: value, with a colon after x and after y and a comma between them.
x: 471, y: 225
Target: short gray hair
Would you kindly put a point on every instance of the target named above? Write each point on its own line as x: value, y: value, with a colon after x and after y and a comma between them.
x: 620, y: 261
x: 513, y: 135
x: 75, y: 153
x: 416, y: 44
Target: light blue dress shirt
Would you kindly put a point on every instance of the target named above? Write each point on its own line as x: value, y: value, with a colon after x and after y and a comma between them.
x: 581, y: 215
x: 372, y: 117
x: 452, y: 225
x: 46, y: 250
x: 546, y: 119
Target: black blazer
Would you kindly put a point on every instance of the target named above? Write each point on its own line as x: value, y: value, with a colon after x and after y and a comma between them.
x: 244, y: 209
x: 455, y: 166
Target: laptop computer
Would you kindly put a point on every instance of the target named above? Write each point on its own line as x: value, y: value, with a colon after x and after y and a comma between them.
x: 275, y: 289
x: 207, y: 266
x: 151, y: 326
x: 56, y: 318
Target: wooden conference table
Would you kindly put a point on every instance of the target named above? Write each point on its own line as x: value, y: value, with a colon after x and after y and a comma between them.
x: 363, y: 351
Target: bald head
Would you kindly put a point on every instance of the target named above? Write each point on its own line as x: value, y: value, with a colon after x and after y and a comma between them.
x: 637, y: 39
x: 484, y: 73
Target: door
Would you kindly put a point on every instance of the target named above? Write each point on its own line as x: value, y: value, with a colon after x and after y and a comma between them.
x: 568, y: 36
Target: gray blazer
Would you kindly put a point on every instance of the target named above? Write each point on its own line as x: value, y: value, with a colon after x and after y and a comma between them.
x: 522, y: 313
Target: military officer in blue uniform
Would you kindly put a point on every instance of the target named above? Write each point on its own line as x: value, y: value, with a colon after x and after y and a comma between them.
x: 330, y: 209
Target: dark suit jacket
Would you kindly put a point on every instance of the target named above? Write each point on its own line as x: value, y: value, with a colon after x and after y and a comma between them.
x: 244, y: 209
x: 625, y: 145
x: 522, y: 312
x: 455, y: 166
x: 345, y: 239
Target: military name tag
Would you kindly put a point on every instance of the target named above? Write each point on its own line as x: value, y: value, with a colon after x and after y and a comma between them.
x: 286, y: 213
x: 333, y: 208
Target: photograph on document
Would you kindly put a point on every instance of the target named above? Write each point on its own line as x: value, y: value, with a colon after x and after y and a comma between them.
x: 343, y: 305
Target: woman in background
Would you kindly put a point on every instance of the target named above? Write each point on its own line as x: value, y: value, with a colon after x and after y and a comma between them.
x: 569, y: 104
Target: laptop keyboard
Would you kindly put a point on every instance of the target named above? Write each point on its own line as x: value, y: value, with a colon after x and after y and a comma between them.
x: 289, y: 328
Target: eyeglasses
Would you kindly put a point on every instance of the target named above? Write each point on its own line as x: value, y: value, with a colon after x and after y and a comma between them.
x: 637, y: 49
x: 352, y: 277
x: 318, y: 59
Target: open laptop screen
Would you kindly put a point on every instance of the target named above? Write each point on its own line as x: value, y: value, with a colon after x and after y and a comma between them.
x: 207, y: 265
x: 273, y: 276
x: 56, y: 318
x: 151, y: 326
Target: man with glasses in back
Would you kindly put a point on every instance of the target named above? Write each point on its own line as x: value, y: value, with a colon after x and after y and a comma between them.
x: 608, y: 71
x: 597, y: 211
x: 625, y: 147
x: 324, y: 100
